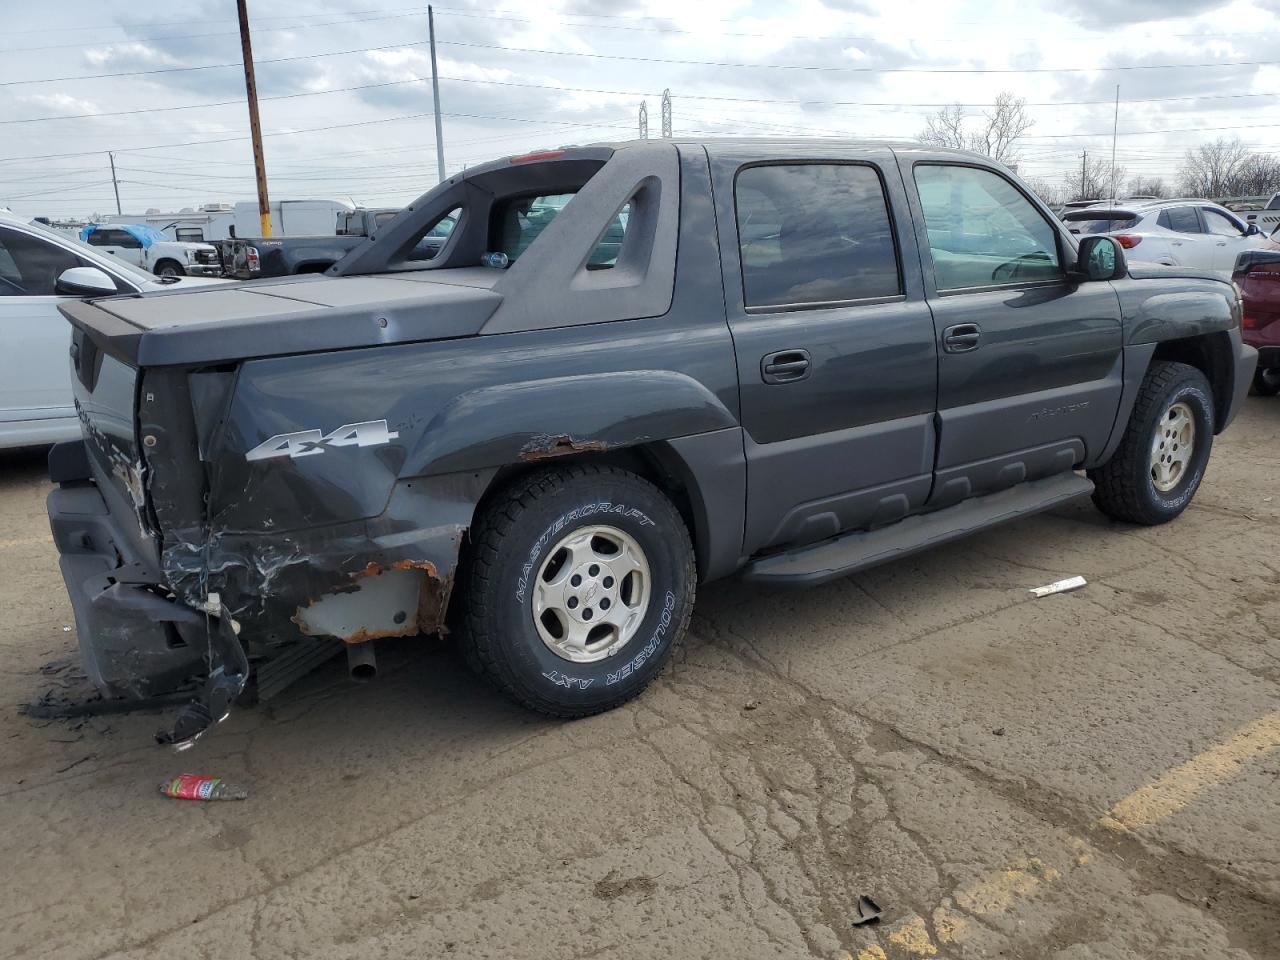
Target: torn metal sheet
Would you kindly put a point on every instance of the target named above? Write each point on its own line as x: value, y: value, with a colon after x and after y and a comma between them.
x: 545, y: 447
x: 1059, y: 586
x: 401, y: 600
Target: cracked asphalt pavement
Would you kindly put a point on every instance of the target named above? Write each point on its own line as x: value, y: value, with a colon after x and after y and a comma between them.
x: 1090, y: 775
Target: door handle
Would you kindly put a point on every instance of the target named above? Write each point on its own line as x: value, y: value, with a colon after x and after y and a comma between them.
x: 784, y: 366
x: 1222, y: 243
x: 961, y: 338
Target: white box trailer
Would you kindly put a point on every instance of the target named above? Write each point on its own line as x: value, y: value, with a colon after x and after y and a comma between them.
x: 292, y: 218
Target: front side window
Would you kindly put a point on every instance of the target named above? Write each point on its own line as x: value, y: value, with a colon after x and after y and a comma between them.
x: 1180, y: 220
x: 814, y: 233
x: 30, y: 267
x: 982, y: 230
x: 1221, y: 226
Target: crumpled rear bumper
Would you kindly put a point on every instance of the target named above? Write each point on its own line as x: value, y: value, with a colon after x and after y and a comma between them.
x: 135, y: 640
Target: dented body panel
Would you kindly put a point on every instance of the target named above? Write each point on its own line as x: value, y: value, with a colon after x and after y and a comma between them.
x: 302, y: 459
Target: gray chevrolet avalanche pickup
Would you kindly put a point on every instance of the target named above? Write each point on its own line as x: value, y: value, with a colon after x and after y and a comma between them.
x: 630, y: 368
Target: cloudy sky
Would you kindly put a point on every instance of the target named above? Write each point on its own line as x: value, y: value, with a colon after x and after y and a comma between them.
x: 347, y: 114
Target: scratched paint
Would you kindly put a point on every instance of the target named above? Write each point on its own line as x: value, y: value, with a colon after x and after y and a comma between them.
x: 1172, y: 792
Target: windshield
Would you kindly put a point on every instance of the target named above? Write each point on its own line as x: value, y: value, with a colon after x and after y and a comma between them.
x: 95, y: 256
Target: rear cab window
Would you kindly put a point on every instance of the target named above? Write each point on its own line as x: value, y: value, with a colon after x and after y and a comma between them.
x: 518, y: 221
x: 814, y: 234
x: 982, y: 230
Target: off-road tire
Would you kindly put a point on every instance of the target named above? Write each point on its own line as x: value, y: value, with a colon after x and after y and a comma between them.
x: 498, y: 635
x: 1266, y: 383
x: 1123, y: 487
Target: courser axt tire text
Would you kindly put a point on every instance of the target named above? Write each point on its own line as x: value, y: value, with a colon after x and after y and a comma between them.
x: 580, y: 584
x: 1161, y: 459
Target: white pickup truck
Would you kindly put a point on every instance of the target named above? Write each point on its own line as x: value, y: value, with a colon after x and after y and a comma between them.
x: 146, y: 247
x: 1268, y: 218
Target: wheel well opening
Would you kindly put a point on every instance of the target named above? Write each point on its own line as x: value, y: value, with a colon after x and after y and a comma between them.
x: 658, y: 467
x: 1211, y: 355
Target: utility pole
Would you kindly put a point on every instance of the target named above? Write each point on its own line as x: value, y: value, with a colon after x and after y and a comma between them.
x: 1084, y: 168
x: 255, y: 127
x: 435, y: 93
x: 1115, y: 130
x: 115, y: 184
x: 644, y: 120
x: 666, y: 114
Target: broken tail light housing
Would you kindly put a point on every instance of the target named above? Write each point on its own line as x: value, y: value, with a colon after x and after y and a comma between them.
x: 252, y: 260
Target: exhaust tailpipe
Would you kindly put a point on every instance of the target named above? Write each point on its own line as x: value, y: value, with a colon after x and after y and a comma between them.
x: 362, y: 663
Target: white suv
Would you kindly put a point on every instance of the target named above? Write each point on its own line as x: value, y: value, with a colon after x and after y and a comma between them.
x: 1185, y: 233
x: 40, y: 268
x: 146, y: 247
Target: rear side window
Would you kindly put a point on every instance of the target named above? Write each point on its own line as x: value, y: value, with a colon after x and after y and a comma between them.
x: 1180, y: 220
x: 519, y: 221
x: 982, y: 230
x: 814, y: 233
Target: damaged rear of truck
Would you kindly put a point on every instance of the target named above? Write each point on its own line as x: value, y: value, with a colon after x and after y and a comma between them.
x: 284, y: 465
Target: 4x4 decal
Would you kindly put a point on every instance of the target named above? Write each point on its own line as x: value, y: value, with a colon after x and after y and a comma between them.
x: 305, y: 443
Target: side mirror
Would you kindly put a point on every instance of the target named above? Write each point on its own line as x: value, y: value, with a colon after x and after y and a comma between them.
x: 1252, y: 230
x: 85, y: 282
x: 1101, y: 258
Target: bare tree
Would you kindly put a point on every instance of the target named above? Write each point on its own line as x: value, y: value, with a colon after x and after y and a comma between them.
x: 1140, y: 186
x: 946, y: 129
x: 997, y: 133
x: 1214, y: 169
x: 1259, y: 176
x: 1045, y: 189
x: 1093, y: 181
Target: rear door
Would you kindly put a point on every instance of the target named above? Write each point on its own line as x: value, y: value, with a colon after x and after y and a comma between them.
x: 1029, y: 360
x: 1192, y: 247
x: 834, y: 341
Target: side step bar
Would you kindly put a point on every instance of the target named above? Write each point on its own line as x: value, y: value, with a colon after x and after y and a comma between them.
x: 830, y: 559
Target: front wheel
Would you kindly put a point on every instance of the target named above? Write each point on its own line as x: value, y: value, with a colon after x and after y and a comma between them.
x: 1266, y: 383
x: 170, y: 268
x: 580, y: 585
x: 1161, y: 459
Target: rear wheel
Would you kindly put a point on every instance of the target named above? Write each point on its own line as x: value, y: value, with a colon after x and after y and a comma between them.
x: 1266, y: 383
x: 1160, y: 462
x: 580, y: 585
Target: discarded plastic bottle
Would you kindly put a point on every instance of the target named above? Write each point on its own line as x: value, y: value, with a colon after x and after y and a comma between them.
x: 495, y: 260
x: 189, y: 786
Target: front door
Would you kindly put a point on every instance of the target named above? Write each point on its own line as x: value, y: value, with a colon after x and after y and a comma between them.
x: 119, y: 243
x: 834, y: 342
x: 1227, y: 238
x: 1029, y: 360
x: 35, y: 372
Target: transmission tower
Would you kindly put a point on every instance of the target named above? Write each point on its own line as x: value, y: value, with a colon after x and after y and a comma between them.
x: 666, y: 114
x: 644, y: 120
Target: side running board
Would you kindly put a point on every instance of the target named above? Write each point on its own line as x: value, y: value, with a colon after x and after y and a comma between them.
x: 820, y: 562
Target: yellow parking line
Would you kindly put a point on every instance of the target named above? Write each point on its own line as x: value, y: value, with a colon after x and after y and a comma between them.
x: 1172, y: 792
x: 25, y: 542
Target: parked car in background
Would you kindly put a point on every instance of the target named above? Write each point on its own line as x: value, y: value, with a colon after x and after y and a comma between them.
x: 1185, y: 233
x: 41, y: 268
x: 1268, y: 217
x: 146, y: 247
x: 255, y: 257
x: 1257, y: 275
x: 628, y: 369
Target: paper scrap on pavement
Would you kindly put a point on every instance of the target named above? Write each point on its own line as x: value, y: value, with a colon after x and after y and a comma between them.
x: 1059, y: 586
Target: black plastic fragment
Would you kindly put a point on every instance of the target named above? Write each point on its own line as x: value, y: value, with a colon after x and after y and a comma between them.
x: 868, y: 911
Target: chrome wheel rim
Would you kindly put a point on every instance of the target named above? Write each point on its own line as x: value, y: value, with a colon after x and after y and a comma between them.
x: 1172, y: 447
x: 591, y: 593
